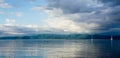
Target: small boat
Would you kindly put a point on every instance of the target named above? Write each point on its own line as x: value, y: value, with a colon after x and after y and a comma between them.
x: 111, y: 38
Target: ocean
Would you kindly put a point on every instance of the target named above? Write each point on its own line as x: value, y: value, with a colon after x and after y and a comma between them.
x: 59, y: 48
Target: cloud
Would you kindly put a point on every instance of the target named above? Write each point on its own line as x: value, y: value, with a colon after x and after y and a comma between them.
x: 65, y: 22
x: 75, y: 16
x: 10, y: 21
x: 68, y: 25
x: 4, y: 4
x: 78, y: 17
x: 19, y: 14
x: 111, y: 2
x: 14, y: 29
x: 96, y: 13
x: 10, y: 30
x: 75, y: 6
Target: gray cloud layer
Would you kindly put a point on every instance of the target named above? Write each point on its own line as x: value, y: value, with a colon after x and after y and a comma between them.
x: 111, y: 2
x: 105, y: 13
x: 14, y: 30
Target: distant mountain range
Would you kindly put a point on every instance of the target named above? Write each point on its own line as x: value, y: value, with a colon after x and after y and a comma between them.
x: 62, y: 36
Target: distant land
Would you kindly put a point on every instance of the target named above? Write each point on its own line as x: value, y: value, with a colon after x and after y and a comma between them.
x: 62, y: 36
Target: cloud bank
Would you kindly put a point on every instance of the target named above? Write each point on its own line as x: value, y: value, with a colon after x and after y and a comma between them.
x: 4, y: 4
x: 84, y: 16
x: 73, y: 16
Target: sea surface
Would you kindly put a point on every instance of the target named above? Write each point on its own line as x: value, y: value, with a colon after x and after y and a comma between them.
x: 60, y: 48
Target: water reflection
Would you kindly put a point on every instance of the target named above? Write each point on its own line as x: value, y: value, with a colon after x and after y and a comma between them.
x: 59, y: 48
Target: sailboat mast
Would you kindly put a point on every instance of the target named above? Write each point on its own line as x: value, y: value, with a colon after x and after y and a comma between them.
x: 111, y: 37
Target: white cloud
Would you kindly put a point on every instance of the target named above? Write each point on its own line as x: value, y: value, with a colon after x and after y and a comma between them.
x: 14, y: 29
x: 10, y: 22
x: 71, y: 23
x: 68, y: 25
x: 38, y: 8
x: 4, y: 5
x: 19, y: 14
x: 50, y: 11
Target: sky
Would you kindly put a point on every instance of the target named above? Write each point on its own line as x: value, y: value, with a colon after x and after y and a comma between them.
x: 18, y: 17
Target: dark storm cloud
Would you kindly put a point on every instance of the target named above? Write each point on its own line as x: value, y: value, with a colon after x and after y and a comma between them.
x: 104, y: 12
x: 113, y: 19
x: 113, y: 15
x: 72, y: 6
x: 111, y: 2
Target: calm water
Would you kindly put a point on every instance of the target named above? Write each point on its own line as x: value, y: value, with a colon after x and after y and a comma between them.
x: 59, y: 48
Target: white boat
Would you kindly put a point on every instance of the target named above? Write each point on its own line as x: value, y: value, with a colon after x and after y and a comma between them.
x: 111, y: 38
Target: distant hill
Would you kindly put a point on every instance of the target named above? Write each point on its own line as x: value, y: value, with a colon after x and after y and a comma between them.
x: 62, y: 36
